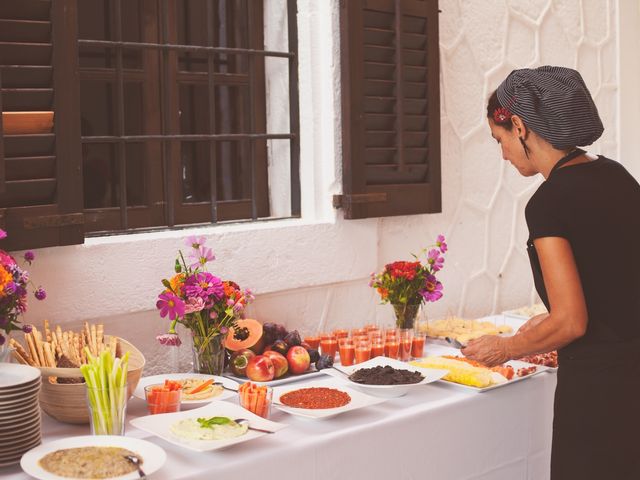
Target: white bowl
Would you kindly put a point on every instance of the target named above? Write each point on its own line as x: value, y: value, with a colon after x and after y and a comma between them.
x: 429, y: 374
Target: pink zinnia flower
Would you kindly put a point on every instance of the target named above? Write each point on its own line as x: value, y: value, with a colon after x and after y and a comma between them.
x: 169, y: 339
x: 204, y: 285
x: 169, y: 303
x: 432, y: 289
x: 193, y: 304
x: 435, y: 260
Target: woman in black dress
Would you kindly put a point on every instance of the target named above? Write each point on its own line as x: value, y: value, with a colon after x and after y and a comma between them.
x: 584, y: 247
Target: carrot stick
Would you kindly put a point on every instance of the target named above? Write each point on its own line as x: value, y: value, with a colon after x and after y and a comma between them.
x: 201, y: 387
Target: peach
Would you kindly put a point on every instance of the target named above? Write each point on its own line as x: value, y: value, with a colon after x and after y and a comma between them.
x: 260, y: 369
x: 298, y: 359
x: 280, y: 363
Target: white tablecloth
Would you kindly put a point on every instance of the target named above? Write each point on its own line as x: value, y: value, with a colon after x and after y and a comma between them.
x: 436, y: 432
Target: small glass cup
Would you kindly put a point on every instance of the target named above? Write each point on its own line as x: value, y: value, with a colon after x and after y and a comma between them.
x: 392, y: 347
x: 340, y: 333
x: 329, y: 346
x: 363, y: 351
x: 257, y: 401
x: 347, y: 350
x: 356, y: 332
x: 377, y: 347
x: 406, y: 340
x: 159, y: 401
x: 417, y: 345
x: 312, y: 339
x: 107, y: 410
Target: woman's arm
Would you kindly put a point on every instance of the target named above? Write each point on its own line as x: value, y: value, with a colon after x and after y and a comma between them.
x: 566, y: 322
x: 532, y: 322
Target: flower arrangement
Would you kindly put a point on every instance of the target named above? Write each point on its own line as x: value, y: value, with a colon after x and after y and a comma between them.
x: 407, y: 285
x: 202, y: 302
x: 14, y: 281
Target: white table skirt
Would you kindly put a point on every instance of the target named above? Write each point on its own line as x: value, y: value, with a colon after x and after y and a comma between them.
x: 436, y: 432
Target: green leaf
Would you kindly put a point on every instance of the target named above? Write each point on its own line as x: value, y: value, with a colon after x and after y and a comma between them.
x: 210, y: 422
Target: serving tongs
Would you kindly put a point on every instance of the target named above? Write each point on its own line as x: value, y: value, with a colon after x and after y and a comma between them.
x: 454, y: 343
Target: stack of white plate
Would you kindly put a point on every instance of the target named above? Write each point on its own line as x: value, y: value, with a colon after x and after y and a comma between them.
x: 19, y: 411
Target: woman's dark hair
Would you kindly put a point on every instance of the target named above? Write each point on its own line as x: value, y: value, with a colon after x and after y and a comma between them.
x: 498, y: 113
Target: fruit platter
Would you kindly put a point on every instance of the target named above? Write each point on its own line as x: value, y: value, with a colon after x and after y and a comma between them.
x: 270, y: 354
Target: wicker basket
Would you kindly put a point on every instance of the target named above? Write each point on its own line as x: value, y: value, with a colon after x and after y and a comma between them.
x: 68, y: 402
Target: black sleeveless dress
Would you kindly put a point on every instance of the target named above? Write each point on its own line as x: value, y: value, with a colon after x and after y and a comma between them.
x: 596, y: 426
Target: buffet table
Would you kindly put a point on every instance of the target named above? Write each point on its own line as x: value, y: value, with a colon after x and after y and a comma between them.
x: 438, y: 431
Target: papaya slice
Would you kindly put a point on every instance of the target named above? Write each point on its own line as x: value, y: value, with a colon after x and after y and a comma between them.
x: 252, y: 332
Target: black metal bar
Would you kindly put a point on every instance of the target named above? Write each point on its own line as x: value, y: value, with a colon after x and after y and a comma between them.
x: 213, y: 172
x: 294, y: 108
x: 399, y: 85
x: 121, y: 151
x: 166, y: 119
x: 185, y: 48
x: 191, y: 137
x: 252, y: 122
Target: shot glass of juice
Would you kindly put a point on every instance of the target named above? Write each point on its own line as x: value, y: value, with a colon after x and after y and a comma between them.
x: 392, y: 348
x: 363, y: 351
x: 417, y: 345
x: 328, y: 345
x: 312, y: 339
x: 377, y: 347
x: 406, y: 340
x: 347, y: 350
x: 340, y: 333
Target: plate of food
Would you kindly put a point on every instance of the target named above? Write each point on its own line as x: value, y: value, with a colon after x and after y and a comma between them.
x: 463, y: 330
x: 472, y: 375
x: 92, y: 456
x: 385, y: 377
x: 197, y: 388
x: 214, y: 426
x: 321, y: 399
x: 526, y: 312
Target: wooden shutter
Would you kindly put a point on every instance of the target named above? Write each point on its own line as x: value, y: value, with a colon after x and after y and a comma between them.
x: 390, y: 108
x: 41, y: 204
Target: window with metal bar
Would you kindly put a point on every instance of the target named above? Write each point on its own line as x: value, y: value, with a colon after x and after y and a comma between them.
x: 174, y: 118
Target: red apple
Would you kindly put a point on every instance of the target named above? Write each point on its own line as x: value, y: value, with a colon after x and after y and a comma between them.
x: 260, y: 369
x: 299, y: 359
x: 279, y: 362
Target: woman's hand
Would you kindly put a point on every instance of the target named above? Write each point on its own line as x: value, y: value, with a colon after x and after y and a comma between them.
x: 532, y: 322
x: 490, y: 350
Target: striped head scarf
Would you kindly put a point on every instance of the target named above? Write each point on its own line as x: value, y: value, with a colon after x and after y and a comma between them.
x: 553, y: 102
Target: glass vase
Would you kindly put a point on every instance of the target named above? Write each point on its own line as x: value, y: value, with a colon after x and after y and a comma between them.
x: 406, y: 314
x: 5, y: 350
x: 208, y: 354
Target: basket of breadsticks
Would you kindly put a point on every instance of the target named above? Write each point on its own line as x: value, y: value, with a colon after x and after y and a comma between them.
x: 59, y: 353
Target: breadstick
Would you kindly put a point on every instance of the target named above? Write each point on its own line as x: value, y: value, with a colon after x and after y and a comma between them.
x: 20, y: 353
x: 94, y: 340
x: 32, y: 348
x: 100, y: 336
x: 49, y: 355
x: 37, y: 336
x: 87, y: 333
x: 59, y: 335
x: 47, y: 332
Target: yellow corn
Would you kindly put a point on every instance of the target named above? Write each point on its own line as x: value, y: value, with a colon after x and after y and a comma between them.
x: 459, y: 372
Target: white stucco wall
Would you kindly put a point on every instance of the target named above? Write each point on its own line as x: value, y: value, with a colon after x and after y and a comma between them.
x: 315, y: 270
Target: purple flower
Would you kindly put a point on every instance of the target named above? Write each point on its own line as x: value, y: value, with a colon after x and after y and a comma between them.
x: 441, y: 244
x: 27, y: 328
x: 205, y: 286
x: 40, y: 294
x: 169, y: 339
x: 2, y: 339
x: 432, y: 289
x: 195, y: 241
x: 213, y: 314
x: 29, y: 256
x: 224, y: 330
x: 3, y: 234
x: 435, y: 260
x: 201, y: 257
x: 169, y: 303
x: 10, y: 288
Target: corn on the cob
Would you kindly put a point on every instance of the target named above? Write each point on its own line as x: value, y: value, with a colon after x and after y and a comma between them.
x: 459, y: 372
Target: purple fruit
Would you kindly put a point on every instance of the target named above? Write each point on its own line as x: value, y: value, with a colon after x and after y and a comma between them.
x: 281, y: 347
x: 293, y: 339
x: 325, y: 361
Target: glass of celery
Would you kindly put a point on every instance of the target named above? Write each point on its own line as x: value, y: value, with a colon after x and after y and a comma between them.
x: 107, y: 392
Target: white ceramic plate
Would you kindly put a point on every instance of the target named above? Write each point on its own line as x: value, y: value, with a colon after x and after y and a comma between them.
x: 279, y: 381
x: 159, y: 379
x: 13, y: 457
x: 160, y: 425
x: 429, y: 374
x: 152, y: 455
x: 16, y: 375
x: 358, y: 399
x: 14, y: 408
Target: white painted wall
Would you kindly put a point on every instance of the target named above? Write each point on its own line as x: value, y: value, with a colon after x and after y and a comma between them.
x: 315, y: 270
